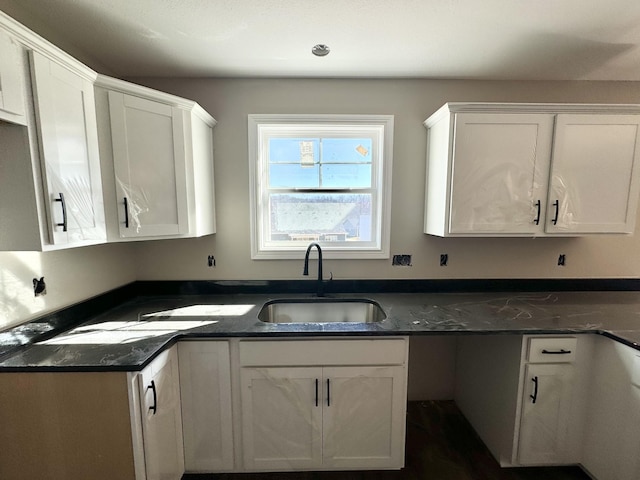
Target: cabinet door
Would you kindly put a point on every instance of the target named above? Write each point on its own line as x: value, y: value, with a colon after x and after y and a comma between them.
x: 161, y: 419
x: 546, y: 407
x: 149, y: 166
x: 594, y: 174
x: 66, y: 117
x: 282, y: 418
x: 363, y: 419
x: 499, y: 174
x: 11, y: 80
x: 205, y: 388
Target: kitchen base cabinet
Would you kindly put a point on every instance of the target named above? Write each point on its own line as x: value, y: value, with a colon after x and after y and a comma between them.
x: 98, y: 425
x: 612, y: 437
x: 281, y: 424
x: 323, y: 404
x: 205, y: 392
x: 545, y: 414
x: 525, y: 396
x: 161, y: 417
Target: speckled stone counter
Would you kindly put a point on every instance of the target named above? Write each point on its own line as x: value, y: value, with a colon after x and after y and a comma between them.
x: 128, y: 336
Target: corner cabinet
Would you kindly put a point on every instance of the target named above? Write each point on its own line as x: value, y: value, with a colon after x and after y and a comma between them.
x: 97, y: 425
x: 157, y: 160
x: 323, y: 404
x: 530, y: 170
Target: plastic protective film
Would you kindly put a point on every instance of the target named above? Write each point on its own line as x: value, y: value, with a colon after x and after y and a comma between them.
x: 76, y: 203
x: 563, y: 204
x: 317, y: 417
x: 500, y: 196
x: 136, y: 204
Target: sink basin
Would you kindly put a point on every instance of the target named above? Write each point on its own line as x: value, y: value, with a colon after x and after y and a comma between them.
x: 321, y: 310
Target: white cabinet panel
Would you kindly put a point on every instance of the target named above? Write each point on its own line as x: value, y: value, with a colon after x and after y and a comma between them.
x: 594, y: 175
x: 205, y: 388
x: 65, y: 114
x: 612, y: 437
x: 362, y: 421
x: 545, y: 414
x: 12, y: 82
x: 499, y: 173
x: 282, y: 418
x: 149, y: 165
x: 161, y: 418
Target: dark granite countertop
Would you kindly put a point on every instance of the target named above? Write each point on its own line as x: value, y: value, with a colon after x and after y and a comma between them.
x: 128, y: 336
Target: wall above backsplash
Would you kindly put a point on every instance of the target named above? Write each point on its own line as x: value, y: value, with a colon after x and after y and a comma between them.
x: 410, y: 101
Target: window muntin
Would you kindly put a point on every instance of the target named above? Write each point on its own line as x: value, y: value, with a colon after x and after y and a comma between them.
x: 322, y: 179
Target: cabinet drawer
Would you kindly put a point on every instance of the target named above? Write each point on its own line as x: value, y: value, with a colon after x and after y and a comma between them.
x: 323, y: 352
x: 552, y: 349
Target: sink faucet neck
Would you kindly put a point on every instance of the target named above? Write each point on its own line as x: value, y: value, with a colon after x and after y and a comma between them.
x: 319, y: 291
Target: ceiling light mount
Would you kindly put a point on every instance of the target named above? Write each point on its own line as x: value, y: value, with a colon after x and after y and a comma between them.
x: 320, y: 50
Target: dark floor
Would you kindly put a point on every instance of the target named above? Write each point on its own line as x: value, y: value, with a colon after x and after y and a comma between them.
x: 441, y: 445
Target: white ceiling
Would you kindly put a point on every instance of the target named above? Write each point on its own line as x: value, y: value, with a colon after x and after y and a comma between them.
x: 475, y: 39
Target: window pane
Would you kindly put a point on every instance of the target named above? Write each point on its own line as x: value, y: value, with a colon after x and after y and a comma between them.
x: 292, y: 176
x: 346, y: 150
x: 344, y: 176
x: 320, y: 217
x: 294, y: 150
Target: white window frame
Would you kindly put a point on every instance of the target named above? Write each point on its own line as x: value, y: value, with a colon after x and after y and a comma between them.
x: 262, y: 127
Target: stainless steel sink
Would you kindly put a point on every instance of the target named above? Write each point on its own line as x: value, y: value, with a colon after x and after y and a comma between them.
x: 321, y: 310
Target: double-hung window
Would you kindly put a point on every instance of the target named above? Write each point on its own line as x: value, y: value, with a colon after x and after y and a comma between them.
x: 323, y: 179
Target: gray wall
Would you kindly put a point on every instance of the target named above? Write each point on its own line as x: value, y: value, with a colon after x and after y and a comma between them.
x: 411, y: 101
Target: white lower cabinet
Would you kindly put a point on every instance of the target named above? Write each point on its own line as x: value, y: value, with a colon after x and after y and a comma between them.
x: 205, y: 388
x: 323, y: 404
x: 161, y: 417
x: 612, y: 436
x: 281, y: 419
x: 545, y: 414
x: 525, y: 396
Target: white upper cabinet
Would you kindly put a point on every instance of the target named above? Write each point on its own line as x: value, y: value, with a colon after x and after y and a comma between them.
x: 499, y: 179
x: 157, y: 159
x: 528, y: 170
x: 50, y: 182
x: 12, y: 84
x: 594, y: 175
x: 66, y: 119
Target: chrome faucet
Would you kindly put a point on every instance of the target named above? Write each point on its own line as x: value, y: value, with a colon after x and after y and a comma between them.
x: 320, y: 290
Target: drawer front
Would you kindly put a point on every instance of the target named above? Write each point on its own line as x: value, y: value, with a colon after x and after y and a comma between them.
x: 391, y: 351
x: 552, y: 349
